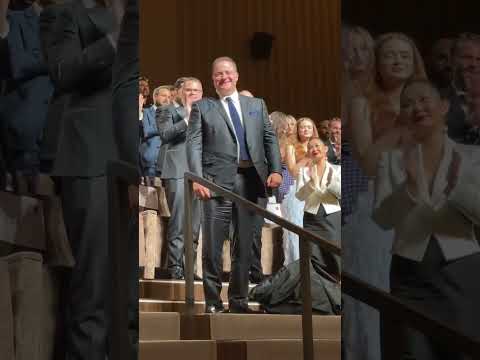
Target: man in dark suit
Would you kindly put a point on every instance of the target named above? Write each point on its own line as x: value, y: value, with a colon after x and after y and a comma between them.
x: 230, y: 141
x: 172, y: 126
x: 85, y: 42
x: 151, y: 142
x: 465, y: 61
x: 29, y: 88
x: 59, y: 100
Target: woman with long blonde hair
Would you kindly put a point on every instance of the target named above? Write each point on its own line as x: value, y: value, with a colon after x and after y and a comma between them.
x: 292, y: 208
x: 375, y: 128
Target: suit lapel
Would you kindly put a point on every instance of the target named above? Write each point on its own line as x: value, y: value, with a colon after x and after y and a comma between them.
x: 247, y: 122
x: 223, y: 113
x: 180, y: 112
x: 102, y: 18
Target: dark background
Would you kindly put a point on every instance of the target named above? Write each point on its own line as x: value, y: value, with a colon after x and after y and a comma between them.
x: 424, y: 21
x: 302, y: 75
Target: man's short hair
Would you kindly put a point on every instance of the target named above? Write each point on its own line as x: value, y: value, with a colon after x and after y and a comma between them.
x: 179, y: 83
x: 162, y: 87
x: 463, y: 38
x: 225, y: 58
x: 191, y: 78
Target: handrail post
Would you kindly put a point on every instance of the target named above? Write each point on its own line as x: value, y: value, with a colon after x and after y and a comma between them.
x: 188, y: 237
x: 307, y: 331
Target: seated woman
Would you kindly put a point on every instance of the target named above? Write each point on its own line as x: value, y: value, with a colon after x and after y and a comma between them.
x: 427, y: 192
x: 319, y: 186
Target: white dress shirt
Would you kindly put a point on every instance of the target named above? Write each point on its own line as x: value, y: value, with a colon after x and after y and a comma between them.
x: 236, y: 103
x: 451, y: 220
x: 326, y: 194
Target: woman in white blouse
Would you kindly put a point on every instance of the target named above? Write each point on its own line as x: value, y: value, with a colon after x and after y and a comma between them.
x: 319, y: 185
x: 428, y: 193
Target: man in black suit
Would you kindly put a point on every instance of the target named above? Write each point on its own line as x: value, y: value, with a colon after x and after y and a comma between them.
x: 59, y: 100
x: 230, y: 141
x: 125, y: 113
x: 85, y: 41
x: 172, y: 123
x: 465, y: 61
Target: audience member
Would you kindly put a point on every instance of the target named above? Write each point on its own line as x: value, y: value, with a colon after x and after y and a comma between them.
x: 172, y: 124
x: 230, y: 141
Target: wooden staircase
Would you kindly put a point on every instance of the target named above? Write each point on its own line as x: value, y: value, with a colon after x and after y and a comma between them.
x: 167, y: 332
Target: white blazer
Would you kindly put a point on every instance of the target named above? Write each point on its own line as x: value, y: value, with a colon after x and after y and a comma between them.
x: 415, y: 219
x: 326, y: 195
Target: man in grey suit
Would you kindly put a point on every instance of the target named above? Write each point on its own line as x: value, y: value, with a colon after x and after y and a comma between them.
x: 230, y: 141
x: 172, y: 123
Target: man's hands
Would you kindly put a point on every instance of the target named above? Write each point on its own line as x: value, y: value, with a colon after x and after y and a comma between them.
x: 201, y: 191
x: 274, y: 180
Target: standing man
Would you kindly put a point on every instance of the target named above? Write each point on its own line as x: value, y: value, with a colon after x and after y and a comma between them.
x: 172, y: 125
x: 336, y: 141
x: 86, y: 37
x: 230, y: 141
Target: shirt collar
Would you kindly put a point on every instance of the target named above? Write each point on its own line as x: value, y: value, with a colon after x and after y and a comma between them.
x: 234, y: 96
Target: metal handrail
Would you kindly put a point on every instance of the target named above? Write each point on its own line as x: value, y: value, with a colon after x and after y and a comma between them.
x: 396, y: 309
x: 120, y: 175
x: 305, y: 252
x: 351, y: 285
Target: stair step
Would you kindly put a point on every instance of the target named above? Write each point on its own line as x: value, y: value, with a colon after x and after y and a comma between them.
x: 174, y: 290
x: 153, y: 305
x: 255, y: 327
x: 159, y: 326
x: 178, y: 350
x: 285, y: 349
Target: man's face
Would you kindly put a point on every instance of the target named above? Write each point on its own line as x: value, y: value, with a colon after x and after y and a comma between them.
x: 335, y: 130
x: 163, y: 97
x: 225, y: 78
x: 467, y: 56
x: 441, y: 58
x: 144, y: 88
x: 324, y: 129
x: 467, y: 60
x: 192, y: 91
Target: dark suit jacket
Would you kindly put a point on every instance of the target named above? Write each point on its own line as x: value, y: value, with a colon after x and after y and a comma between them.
x: 212, y: 150
x: 25, y: 105
x: 81, y: 65
x: 151, y: 142
x: 125, y: 86
x: 173, y: 132
x: 456, y: 118
x: 59, y: 100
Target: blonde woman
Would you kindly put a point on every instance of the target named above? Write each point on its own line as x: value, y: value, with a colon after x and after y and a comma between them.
x: 375, y: 128
x: 284, y: 127
x: 292, y: 208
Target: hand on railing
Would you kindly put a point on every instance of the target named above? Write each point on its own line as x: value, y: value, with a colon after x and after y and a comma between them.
x: 274, y: 180
x: 201, y: 191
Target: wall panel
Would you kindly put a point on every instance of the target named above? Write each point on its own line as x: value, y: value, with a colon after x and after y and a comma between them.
x: 302, y: 75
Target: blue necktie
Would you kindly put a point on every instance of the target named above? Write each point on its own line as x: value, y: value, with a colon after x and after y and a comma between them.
x: 239, y: 130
